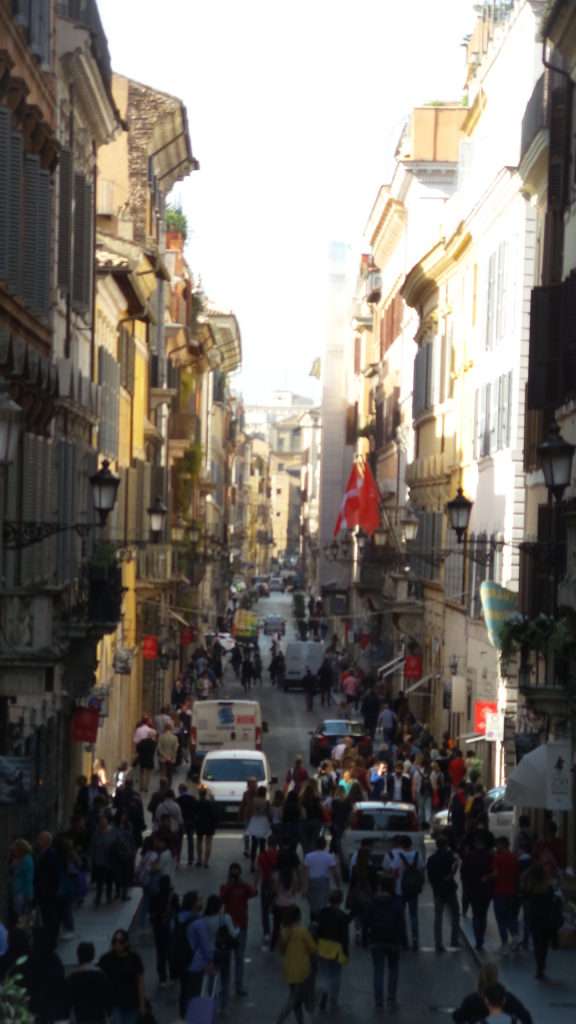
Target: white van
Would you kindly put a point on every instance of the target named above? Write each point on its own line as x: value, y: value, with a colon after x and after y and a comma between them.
x: 225, y: 725
x: 300, y: 655
x: 226, y: 773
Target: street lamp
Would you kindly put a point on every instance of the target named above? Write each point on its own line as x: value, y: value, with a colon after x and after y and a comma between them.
x: 459, y: 511
x: 157, y: 513
x: 380, y: 537
x: 556, y: 456
x: 104, y: 486
x: 10, y: 426
x: 409, y: 523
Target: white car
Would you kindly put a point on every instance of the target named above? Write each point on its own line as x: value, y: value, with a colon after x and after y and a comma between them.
x: 226, y: 772
x: 502, y: 816
x: 226, y: 640
x: 380, y: 822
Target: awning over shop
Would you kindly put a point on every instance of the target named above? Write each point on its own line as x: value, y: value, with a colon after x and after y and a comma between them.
x: 391, y: 666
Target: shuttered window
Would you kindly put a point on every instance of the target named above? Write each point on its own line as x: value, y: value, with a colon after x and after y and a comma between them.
x: 109, y: 380
x: 454, y: 575
x: 497, y: 296
x: 43, y: 261
x: 493, y: 416
x: 428, y: 540
x: 126, y: 358
x: 83, y: 244
x: 64, y: 219
x: 15, y: 278
x: 30, y: 243
x: 423, y: 378
x: 5, y: 133
x: 38, y: 561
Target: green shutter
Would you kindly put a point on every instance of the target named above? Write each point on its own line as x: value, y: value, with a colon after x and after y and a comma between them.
x: 64, y: 219
x: 88, y: 255
x: 15, y: 254
x: 31, y: 204
x: 44, y: 239
x: 79, y: 245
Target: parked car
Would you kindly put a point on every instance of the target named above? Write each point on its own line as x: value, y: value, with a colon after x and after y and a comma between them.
x: 226, y: 772
x: 301, y: 655
x: 261, y: 586
x: 276, y: 585
x: 330, y: 732
x: 380, y: 822
x: 274, y: 624
x: 502, y: 816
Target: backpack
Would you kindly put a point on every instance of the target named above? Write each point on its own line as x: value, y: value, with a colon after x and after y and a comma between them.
x: 412, y: 879
x: 224, y: 942
x: 180, y: 951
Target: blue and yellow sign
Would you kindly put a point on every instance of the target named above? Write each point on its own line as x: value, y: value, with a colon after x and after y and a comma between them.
x: 499, y: 605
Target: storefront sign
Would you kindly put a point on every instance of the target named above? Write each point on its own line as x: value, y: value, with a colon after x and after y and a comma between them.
x: 85, y: 725
x: 483, y: 708
x: 413, y: 666
x: 150, y: 648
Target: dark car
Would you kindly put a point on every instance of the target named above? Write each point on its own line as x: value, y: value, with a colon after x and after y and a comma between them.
x: 328, y: 734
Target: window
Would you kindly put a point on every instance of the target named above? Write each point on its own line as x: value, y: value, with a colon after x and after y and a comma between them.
x: 496, y: 296
x: 423, y: 377
x: 493, y: 417
x: 428, y: 539
x: 83, y: 244
x: 233, y: 770
x: 126, y: 358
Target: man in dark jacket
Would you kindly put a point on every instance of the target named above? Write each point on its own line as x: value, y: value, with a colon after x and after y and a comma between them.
x: 188, y: 805
x: 325, y: 681
x: 370, y: 709
x: 332, y: 937
x: 89, y: 990
x: 494, y: 1001
x: 386, y: 933
x: 47, y: 884
x: 441, y: 869
x: 398, y: 785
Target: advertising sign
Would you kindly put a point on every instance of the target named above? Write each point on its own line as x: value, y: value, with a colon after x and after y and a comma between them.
x: 150, y: 648
x: 413, y: 667
x: 499, y: 605
x: 558, y: 777
x: 85, y: 725
x: 482, y: 709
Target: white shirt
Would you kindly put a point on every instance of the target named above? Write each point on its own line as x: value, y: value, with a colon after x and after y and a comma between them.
x: 169, y: 808
x: 338, y: 751
x: 397, y: 788
x: 397, y: 862
x: 143, y: 732
x: 319, y: 864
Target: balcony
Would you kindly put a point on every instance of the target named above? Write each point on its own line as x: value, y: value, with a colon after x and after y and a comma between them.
x: 157, y: 565
x: 535, y: 118
x: 184, y: 426
x: 544, y: 680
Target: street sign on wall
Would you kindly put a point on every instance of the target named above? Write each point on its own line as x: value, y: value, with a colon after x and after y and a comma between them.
x: 482, y: 710
x: 413, y: 667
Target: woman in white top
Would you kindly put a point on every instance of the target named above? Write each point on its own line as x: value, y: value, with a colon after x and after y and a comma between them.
x: 223, y: 933
x: 259, y: 825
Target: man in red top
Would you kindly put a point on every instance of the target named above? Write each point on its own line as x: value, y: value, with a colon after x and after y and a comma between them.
x: 267, y: 862
x: 506, y: 892
x: 456, y: 768
x: 235, y: 895
x: 297, y: 775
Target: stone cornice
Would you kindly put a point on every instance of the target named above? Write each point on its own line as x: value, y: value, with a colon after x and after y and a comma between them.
x: 97, y: 109
x: 425, y: 275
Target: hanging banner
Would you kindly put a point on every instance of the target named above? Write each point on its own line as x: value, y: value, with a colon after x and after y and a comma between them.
x: 482, y: 709
x: 558, y: 777
x: 413, y: 667
x: 499, y: 605
x: 150, y: 648
x: 84, y: 726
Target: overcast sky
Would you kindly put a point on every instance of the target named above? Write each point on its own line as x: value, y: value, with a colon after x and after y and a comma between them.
x: 295, y: 108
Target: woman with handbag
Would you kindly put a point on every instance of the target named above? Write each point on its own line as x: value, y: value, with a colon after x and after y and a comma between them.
x: 224, y: 935
x: 332, y: 939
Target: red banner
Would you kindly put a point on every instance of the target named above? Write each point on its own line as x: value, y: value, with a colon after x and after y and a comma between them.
x: 481, y: 709
x: 150, y: 648
x: 187, y: 636
x: 413, y: 667
x: 85, y: 725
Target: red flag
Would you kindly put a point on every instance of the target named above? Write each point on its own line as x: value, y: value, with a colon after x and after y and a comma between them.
x: 369, y: 503
x: 348, y: 514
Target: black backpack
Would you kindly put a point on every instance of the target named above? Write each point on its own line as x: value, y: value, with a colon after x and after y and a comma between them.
x: 412, y: 879
x: 181, y: 952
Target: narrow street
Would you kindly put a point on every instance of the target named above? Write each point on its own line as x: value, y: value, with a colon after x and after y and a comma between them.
x: 429, y: 985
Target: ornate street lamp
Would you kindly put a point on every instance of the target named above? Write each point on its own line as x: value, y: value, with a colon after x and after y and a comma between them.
x: 104, y: 486
x: 157, y: 513
x: 194, y: 534
x: 380, y: 537
x: 10, y: 426
x: 459, y: 511
x: 409, y: 523
x: 556, y: 456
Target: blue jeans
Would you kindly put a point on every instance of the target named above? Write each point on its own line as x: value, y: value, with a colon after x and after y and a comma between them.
x: 506, y: 914
x: 381, y: 955
x: 328, y: 980
x: 239, y: 951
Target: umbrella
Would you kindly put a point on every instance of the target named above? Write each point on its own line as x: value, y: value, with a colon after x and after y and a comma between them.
x: 527, y: 783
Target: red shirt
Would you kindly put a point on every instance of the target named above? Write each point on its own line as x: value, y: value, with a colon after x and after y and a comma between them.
x: 456, y: 770
x: 267, y: 862
x: 235, y: 898
x: 507, y: 871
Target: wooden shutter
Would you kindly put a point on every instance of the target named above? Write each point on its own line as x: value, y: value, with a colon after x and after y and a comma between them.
x: 559, y: 146
x: 5, y: 139
x: 492, y: 417
x: 88, y: 250
x: 15, y: 282
x: 43, y: 261
x: 567, y: 340
x: 31, y: 182
x: 490, y: 302
x: 428, y: 350
x: 83, y: 244
x: 64, y: 219
x: 543, y: 359
x: 501, y: 291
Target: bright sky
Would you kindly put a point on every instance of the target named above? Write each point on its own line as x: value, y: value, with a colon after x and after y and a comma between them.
x: 295, y: 108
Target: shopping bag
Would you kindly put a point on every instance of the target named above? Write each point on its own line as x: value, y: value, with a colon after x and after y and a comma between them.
x: 202, y: 1009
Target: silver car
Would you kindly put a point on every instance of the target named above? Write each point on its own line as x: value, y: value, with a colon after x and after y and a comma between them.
x: 502, y: 816
x: 380, y: 822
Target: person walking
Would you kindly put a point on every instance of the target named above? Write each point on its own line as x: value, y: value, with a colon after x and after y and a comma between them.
x: 188, y: 805
x: 161, y: 906
x: 145, y: 752
x: 385, y: 931
x: 206, y: 821
x: 544, y: 914
x: 224, y: 935
x: 398, y: 787
x: 101, y: 854
x: 477, y: 878
x: 235, y: 895
x: 266, y: 867
x: 287, y: 888
x: 47, y: 880
x: 167, y: 752
x: 490, y: 998
x: 333, y: 948
x: 411, y: 885
x: 325, y: 681
x: 370, y: 708
x: 506, y: 892
x: 247, y: 673
x: 320, y: 870
x: 441, y: 869
x: 245, y: 811
x: 21, y: 882
x: 259, y: 825
x: 298, y: 948
x: 125, y: 973
x: 89, y: 990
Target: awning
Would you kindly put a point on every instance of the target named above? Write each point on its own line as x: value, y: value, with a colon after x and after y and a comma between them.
x: 178, y: 618
x: 473, y: 737
x: 418, y: 684
x: 390, y: 666
x: 543, y: 778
